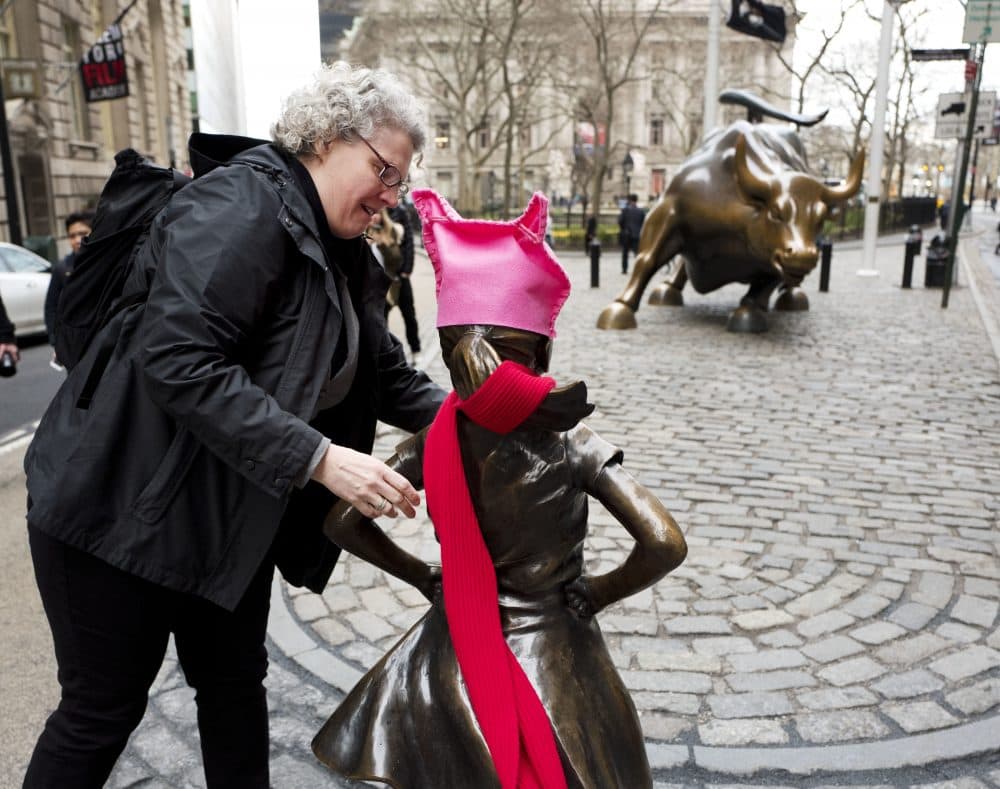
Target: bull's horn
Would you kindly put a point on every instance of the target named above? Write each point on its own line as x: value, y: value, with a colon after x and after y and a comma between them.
x: 850, y: 187
x: 750, y: 183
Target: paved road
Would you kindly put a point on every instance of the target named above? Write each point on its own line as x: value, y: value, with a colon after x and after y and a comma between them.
x: 838, y: 480
x: 24, y: 396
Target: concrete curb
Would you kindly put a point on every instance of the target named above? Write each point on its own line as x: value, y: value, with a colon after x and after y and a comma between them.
x: 984, y: 289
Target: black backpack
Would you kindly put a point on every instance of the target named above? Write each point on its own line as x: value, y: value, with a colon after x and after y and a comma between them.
x: 134, y: 195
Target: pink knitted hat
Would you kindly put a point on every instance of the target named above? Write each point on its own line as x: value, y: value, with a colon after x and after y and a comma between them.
x: 493, y: 273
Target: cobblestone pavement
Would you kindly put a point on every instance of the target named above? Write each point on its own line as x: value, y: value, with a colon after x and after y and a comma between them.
x: 838, y: 481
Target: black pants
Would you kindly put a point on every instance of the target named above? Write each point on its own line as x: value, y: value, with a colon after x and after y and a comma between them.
x: 409, y: 313
x: 626, y: 247
x: 110, y: 630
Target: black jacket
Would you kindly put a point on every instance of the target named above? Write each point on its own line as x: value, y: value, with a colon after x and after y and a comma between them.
x: 630, y: 221
x: 61, y: 271
x: 182, y: 468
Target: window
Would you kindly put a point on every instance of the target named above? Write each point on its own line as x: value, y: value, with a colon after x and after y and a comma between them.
x: 444, y: 184
x: 79, y: 115
x: 8, y: 39
x: 21, y: 261
x: 483, y: 136
x: 442, y: 134
x: 658, y: 180
x: 656, y: 131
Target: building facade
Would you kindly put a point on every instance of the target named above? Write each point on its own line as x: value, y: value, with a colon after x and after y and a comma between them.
x: 62, y: 148
x: 657, y: 110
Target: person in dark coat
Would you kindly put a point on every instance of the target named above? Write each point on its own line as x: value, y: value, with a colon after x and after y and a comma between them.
x: 590, y: 234
x: 8, y: 343
x: 404, y: 298
x: 630, y: 228
x: 238, y: 402
x: 78, y: 227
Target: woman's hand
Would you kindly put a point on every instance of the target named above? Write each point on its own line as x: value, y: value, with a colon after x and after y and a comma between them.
x: 366, y: 483
x: 580, y: 598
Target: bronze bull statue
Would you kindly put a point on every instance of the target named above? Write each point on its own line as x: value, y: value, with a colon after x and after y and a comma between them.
x: 742, y: 208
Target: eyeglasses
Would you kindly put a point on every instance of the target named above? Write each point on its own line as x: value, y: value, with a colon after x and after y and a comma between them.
x: 389, y: 175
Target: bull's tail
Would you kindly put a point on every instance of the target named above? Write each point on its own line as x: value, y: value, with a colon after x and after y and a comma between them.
x: 757, y: 108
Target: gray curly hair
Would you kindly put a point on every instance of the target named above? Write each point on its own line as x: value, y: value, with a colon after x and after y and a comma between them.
x: 343, y: 102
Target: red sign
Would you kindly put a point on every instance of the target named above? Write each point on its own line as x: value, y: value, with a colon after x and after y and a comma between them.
x: 102, y: 67
x: 970, y: 70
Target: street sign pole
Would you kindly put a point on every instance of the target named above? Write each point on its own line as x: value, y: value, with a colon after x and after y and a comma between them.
x: 958, y: 193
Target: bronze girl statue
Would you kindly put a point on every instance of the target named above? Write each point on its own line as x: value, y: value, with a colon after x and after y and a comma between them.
x: 506, y: 680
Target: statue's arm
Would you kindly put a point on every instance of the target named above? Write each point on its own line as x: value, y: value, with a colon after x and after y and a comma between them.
x: 352, y: 531
x: 659, y: 544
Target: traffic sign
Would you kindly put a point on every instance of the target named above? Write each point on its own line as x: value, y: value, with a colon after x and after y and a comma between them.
x: 952, y: 118
x: 941, y: 54
x: 982, y: 21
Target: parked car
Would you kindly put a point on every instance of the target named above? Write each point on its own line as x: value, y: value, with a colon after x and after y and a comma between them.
x: 24, y: 281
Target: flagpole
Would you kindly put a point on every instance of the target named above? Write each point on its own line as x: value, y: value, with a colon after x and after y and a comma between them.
x: 711, y: 96
x: 874, y: 191
x: 124, y: 11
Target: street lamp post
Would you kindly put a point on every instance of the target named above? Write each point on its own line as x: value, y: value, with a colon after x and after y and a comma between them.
x: 627, y: 167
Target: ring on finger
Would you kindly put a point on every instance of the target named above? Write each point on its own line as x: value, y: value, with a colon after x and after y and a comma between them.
x: 382, y: 505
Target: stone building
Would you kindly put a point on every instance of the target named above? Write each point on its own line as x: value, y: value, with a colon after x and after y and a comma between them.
x: 63, y: 147
x: 658, y: 112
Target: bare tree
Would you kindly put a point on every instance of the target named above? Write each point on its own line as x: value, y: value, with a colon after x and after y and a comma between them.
x: 617, y: 30
x: 813, y: 66
x: 527, y: 46
x: 908, y: 88
x: 450, y: 57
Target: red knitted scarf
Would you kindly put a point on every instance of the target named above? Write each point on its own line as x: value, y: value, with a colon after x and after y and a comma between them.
x: 510, y: 714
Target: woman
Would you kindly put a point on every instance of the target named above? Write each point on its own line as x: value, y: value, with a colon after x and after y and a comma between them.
x: 385, y: 237
x: 506, y: 681
x: 259, y: 361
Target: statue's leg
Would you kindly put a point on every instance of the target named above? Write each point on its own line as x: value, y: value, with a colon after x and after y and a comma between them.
x: 669, y: 293
x: 791, y: 298
x: 657, y: 244
x: 749, y: 317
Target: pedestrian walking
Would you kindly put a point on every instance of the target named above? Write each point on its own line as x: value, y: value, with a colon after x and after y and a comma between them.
x: 590, y: 233
x: 78, y: 227
x: 486, y: 671
x: 407, y: 307
x: 9, y: 353
x: 238, y: 402
x: 630, y: 228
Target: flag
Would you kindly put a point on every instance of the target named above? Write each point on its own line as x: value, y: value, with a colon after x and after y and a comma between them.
x: 102, y: 67
x: 758, y: 19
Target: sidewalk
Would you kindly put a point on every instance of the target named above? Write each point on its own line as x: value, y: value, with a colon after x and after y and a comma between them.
x: 838, y: 481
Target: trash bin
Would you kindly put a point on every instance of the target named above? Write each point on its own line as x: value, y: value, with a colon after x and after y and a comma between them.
x: 935, y: 262
x: 44, y: 246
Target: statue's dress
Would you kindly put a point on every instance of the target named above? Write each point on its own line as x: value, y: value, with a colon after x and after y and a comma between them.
x: 409, y: 723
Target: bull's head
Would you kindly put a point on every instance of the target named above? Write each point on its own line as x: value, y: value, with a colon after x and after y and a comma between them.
x: 791, y: 209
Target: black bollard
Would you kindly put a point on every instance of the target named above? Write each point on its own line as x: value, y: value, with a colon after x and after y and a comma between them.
x: 825, y: 252
x: 595, y: 263
x: 914, y: 241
